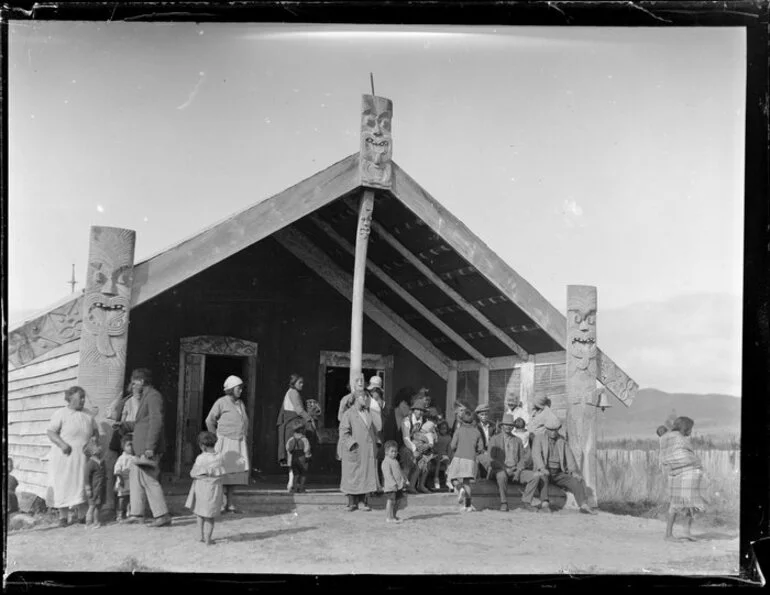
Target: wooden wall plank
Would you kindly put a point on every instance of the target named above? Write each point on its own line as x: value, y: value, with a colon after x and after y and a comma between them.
x: 43, y: 368
x: 224, y: 239
x: 52, y: 388
x: 31, y: 415
x: 68, y: 373
x: 28, y: 440
x: 39, y: 452
x: 451, y: 395
x: 26, y: 428
x: 483, y: 385
x: 37, y: 402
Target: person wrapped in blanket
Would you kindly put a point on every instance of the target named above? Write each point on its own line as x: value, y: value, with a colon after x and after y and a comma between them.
x: 685, y: 474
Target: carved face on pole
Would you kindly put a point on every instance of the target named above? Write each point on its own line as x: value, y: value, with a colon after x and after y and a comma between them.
x: 108, y: 286
x: 581, y: 324
x: 376, y: 141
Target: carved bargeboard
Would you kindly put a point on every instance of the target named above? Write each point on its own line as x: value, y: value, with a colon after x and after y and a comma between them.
x: 41, y: 335
x: 106, y: 303
x: 376, y: 142
x: 616, y: 380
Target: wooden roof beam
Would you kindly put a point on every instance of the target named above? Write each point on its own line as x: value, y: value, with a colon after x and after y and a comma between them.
x: 460, y: 300
x: 393, y: 285
x: 485, y: 334
x: 320, y: 263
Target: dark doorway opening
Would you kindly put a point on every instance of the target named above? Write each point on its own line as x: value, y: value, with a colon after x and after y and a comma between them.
x: 337, y: 387
x: 218, y: 368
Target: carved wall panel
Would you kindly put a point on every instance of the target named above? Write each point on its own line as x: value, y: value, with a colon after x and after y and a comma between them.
x: 616, y: 380
x: 217, y: 345
x: 376, y: 142
x: 45, y: 333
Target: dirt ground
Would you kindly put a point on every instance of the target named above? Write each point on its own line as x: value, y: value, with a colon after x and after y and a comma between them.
x: 431, y: 539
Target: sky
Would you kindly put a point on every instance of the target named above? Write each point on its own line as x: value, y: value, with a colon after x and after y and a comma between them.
x: 600, y: 156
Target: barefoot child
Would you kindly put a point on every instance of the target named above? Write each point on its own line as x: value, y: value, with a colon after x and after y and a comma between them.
x: 467, y: 444
x: 297, y: 455
x: 95, y: 483
x: 122, y: 472
x: 393, y: 481
x: 441, y: 450
x: 206, y: 494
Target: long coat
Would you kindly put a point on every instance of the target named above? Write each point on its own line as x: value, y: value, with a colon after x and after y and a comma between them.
x: 148, y: 426
x: 359, y: 466
x: 541, y: 447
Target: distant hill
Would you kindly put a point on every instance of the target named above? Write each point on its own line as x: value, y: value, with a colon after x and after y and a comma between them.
x: 718, y: 416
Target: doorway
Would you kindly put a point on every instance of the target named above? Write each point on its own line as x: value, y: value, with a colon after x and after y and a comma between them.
x: 337, y: 379
x: 216, y: 369
x: 204, y: 363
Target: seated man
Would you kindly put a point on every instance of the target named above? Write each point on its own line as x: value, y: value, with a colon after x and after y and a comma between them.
x: 552, y: 456
x: 508, y: 462
x: 487, y: 429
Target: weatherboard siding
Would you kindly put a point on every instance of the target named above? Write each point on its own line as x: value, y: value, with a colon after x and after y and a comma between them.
x: 35, y: 391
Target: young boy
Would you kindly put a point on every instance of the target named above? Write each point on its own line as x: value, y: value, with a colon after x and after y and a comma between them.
x: 298, y: 453
x: 393, y: 481
x: 95, y: 483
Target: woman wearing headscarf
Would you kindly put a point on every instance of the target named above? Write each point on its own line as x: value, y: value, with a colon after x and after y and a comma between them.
x: 70, y: 430
x: 541, y: 415
x: 357, y: 449
x: 229, y: 421
x: 685, y: 471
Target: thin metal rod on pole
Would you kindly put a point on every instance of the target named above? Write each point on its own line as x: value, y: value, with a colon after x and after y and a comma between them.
x: 371, y: 80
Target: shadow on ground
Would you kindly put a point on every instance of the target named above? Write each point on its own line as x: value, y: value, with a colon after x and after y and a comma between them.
x: 423, y: 517
x: 714, y: 536
x: 260, y: 535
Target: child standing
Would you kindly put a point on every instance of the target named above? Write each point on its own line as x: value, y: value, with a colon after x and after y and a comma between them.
x: 441, y: 451
x: 122, y: 472
x: 206, y: 493
x: 95, y: 483
x: 467, y: 444
x: 393, y: 481
x: 297, y: 455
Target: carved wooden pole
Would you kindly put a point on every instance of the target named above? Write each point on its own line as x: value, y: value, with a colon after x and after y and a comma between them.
x: 376, y: 172
x: 581, y: 381
x: 104, y: 336
x: 359, y: 271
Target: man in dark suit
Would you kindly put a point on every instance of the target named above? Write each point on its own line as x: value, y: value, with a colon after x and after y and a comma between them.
x: 148, y: 447
x: 509, y: 462
x: 553, y: 458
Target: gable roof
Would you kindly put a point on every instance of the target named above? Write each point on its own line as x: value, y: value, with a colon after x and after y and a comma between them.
x: 429, y: 268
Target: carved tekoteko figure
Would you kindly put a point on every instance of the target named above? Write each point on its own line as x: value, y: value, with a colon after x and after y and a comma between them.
x: 106, y: 303
x: 376, y: 141
x: 581, y: 379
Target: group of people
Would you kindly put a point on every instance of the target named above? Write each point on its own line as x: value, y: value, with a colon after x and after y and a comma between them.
x: 126, y: 474
x: 526, y: 447
x: 382, y: 450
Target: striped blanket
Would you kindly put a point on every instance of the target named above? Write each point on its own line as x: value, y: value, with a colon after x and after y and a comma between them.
x: 686, y: 482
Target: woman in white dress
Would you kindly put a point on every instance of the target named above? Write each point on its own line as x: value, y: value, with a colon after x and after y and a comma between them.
x: 229, y: 421
x: 70, y: 429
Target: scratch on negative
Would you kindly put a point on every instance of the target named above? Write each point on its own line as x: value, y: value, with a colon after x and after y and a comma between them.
x: 193, y: 93
x: 657, y: 18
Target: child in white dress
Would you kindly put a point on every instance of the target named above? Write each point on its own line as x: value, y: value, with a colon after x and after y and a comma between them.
x: 206, y: 493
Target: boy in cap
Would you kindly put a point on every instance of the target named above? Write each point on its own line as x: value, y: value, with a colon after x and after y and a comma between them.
x: 410, y: 431
x: 508, y: 462
x: 553, y: 458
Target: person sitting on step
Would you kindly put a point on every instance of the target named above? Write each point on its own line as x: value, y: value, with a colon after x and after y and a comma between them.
x: 487, y: 429
x: 553, y: 458
x: 508, y: 463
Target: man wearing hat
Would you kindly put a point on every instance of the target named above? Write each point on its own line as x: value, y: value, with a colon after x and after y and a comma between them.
x: 508, y: 462
x: 487, y: 430
x: 410, y: 426
x: 553, y: 458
